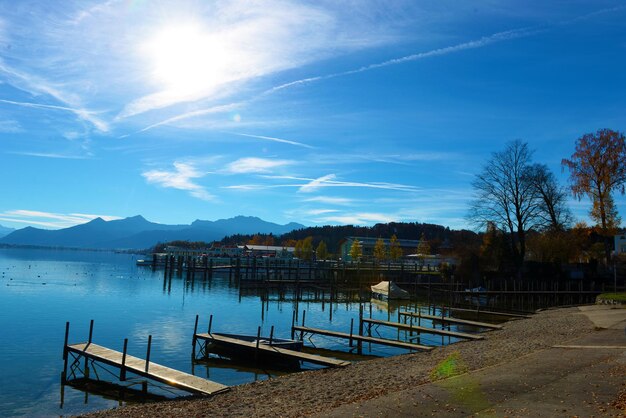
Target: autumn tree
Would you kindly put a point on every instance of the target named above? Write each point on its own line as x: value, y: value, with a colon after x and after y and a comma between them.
x: 356, y: 250
x: 506, y: 195
x: 395, y: 251
x: 322, y: 251
x: 423, y: 247
x: 306, y: 248
x: 598, y: 169
x: 380, y: 250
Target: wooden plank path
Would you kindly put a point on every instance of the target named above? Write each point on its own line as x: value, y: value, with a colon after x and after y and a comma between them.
x: 283, y: 352
x: 424, y: 330
x: 153, y: 371
x: 363, y: 338
x: 447, y: 319
x: 510, y: 315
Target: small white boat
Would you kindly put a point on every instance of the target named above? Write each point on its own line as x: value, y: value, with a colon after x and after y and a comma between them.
x: 388, y: 290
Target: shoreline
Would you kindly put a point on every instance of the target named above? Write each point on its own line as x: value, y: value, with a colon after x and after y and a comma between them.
x: 321, y: 391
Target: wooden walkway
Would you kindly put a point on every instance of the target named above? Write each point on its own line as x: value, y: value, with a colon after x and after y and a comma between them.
x: 153, y: 371
x: 479, y: 311
x: 449, y: 320
x: 363, y: 338
x: 425, y: 330
x: 290, y: 354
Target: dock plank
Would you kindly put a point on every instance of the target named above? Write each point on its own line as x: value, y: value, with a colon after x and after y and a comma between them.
x: 156, y: 371
x: 297, y: 355
x: 451, y: 320
x: 364, y: 338
x: 424, y: 330
x: 480, y: 311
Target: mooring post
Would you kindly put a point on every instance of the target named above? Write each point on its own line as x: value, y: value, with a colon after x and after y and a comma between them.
x: 302, y: 332
x: 123, y: 368
x: 293, y: 324
x: 351, y: 330
x: 193, y: 339
x: 210, y: 324
x: 148, y: 353
x: 258, y: 341
x: 271, y: 334
x: 67, y: 334
x: 90, y: 331
x: 359, y: 343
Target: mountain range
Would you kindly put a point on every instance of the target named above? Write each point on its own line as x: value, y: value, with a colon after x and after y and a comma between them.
x: 5, y: 231
x: 138, y: 233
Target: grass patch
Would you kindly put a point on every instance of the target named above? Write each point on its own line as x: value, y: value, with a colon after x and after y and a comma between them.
x: 619, y: 297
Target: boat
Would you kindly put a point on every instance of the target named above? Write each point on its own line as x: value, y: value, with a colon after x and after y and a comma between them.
x: 388, y: 290
x: 144, y: 262
x: 243, y: 348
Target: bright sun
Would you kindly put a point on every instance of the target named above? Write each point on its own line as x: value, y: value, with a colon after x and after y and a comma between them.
x: 186, y: 58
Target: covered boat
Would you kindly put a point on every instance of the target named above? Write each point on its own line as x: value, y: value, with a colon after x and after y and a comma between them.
x: 387, y: 290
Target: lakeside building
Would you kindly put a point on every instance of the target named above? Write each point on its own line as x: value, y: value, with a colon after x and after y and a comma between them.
x: 408, y: 246
x: 620, y: 243
x: 223, y: 251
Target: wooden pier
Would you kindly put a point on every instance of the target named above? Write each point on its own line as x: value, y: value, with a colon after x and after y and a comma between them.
x: 425, y: 330
x: 362, y: 338
x: 480, y: 311
x: 91, y: 352
x: 450, y: 320
x: 269, y: 349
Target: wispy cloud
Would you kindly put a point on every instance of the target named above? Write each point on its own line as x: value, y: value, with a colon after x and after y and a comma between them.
x: 255, y: 165
x: 10, y: 126
x: 50, y: 219
x: 180, y: 178
x: 331, y: 200
x: 361, y: 218
x: 329, y: 181
x: 52, y: 155
x: 271, y: 138
x: 473, y: 44
x: 36, y: 86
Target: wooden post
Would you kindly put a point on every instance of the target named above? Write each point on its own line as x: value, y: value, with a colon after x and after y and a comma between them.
x: 258, y: 341
x: 148, y: 353
x: 123, y: 368
x: 302, y: 332
x: 271, y: 334
x: 67, y: 334
x: 359, y: 344
x: 90, y: 331
x: 351, y: 330
x: 293, y: 323
x: 210, y: 324
x: 193, y: 339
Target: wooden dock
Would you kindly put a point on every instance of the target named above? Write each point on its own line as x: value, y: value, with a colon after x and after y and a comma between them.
x: 269, y: 349
x: 425, y: 330
x: 362, y: 338
x: 449, y: 320
x: 480, y: 311
x: 145, y: 368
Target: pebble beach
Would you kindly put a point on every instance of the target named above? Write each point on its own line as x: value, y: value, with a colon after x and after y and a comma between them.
x: 316, y: 392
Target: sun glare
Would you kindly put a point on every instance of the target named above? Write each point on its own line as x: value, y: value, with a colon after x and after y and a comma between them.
x: 187, y: 58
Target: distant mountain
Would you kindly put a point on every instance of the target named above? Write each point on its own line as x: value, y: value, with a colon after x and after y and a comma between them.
x: 5, y: 231
x: 136, y: 232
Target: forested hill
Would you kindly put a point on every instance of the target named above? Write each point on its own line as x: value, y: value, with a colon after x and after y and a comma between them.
x: 440, y: 237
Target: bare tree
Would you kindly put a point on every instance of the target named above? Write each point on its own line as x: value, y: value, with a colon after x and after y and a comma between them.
x: 554, y: 211
x: 507, y: 196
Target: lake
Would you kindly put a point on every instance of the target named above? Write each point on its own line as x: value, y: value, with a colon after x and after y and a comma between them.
x: 42, y: 289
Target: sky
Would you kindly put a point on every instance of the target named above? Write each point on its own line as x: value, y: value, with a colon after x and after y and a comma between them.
x: 318, y: 112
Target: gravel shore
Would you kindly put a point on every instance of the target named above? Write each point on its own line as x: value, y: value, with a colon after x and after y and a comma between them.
x: 322, y: 390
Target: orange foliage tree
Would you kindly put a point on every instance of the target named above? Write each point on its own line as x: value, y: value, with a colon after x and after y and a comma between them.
x: 597, y: 169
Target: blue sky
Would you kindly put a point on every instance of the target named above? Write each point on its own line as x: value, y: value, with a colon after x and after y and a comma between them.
x: 320, y: 112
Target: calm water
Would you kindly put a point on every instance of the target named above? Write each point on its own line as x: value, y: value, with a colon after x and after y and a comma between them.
x: 41, y: 289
